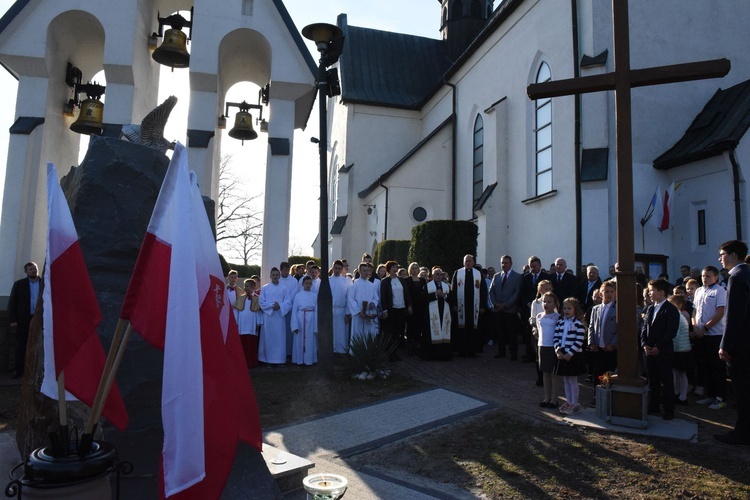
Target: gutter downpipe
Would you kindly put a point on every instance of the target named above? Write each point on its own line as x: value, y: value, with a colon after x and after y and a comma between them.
x: 579, y: 203
x: 737, y: 203
x: 454, y: 150
x: 385, y: 224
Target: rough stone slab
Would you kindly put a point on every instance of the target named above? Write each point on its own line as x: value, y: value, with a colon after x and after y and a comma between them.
x: 357, y: 430
x: 657, y: 427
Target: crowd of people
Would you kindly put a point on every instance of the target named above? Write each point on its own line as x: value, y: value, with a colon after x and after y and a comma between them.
x: 692, y: 333
x: 565, y: 324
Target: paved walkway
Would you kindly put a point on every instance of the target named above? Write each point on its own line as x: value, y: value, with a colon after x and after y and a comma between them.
x: 497, y: 382
x: 464, y: 386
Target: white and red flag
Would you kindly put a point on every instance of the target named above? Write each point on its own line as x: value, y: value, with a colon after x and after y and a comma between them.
x: 178, y: 302
x: 71, y: 313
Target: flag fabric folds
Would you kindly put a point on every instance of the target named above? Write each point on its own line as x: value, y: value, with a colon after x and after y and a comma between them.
x: 178, y: 302
x: 663, y: 212
x: 71, y: 313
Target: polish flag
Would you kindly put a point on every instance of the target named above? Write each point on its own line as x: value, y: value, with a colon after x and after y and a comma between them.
x: 178, y: 302
x: 663, y: 214
x: 71, y: 313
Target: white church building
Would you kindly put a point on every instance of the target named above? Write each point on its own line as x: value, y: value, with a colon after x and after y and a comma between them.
x: 429, y: 129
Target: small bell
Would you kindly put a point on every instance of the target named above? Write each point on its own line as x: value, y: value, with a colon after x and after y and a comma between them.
x: 89, y: 120
x: 243, y: 127
x: 173, y: 51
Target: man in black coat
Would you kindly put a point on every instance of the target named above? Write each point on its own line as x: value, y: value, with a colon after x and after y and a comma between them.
x: 24, y: 296
x: 659, y: 328
x: 529, y: 284
x: 564, y: 284
x: 395, y: 302
x: 735, y: 344
x: 586, y: 289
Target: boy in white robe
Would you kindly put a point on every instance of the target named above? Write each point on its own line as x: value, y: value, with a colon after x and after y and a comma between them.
x: 339, y: 286
x: 249, y: 319
x: 305, y: 325
x: 362, y: 302
x: 274, y: 303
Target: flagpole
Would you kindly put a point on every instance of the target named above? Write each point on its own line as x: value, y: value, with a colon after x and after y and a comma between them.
x: 105, y: 384
x: 113, y: 349
x: 62, y: 407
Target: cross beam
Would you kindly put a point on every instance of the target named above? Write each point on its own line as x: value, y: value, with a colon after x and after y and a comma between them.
x: 621, y: 81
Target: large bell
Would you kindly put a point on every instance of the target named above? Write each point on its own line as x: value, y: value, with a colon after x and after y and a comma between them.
x: 173, y: 51
x: 89, y: 120
x: 243, y: 127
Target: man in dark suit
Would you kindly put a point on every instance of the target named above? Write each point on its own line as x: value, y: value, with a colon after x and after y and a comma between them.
x: 21, y: 305
x: 529, y: 284
x: 586, y: 290
x: 503, y: 293
x: 735, y: 344
x: 564, y: 284
x: 660, y: 327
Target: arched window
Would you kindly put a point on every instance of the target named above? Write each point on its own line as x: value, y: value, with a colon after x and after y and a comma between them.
x: 543, y: 136
x: 458, y: 9
x: 476, y: 8
x: 445, y: 16
x: 478, y: 161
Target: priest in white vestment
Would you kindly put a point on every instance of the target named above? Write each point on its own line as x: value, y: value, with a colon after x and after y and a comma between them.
x: 438, y: 345
x: 274, y: 302
x: 305, y: 325
x: 339, y: 286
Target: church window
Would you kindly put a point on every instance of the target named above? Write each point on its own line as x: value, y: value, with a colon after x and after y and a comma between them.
x: 476, y: 8
x: 702, y: 227
x: 419, y: 214
x: 457, y: 10
x: 478, y: 160
x: 445, y: 16
x: 543, y: 136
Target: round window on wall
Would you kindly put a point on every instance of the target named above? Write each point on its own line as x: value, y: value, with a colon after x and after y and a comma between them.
x: 419, y: 214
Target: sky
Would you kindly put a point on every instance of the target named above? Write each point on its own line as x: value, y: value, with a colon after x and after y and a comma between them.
x: 416, y: 17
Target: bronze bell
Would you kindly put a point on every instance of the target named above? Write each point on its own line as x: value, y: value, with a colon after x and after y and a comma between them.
x: 243, y: 127
x: 173, y: 51
x: 89, y: 120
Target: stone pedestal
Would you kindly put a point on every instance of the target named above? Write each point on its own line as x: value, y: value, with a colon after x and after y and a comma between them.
x: 111, y: 197
x: 623, y: 405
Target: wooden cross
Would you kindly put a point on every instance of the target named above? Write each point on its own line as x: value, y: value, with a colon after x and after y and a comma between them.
x: 621, y: 81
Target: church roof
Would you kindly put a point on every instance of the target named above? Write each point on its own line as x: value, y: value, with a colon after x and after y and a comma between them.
x: 717, y: 128
x: 390, y: 69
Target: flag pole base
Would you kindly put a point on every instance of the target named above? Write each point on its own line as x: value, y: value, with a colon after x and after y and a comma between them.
x: 45, y: 475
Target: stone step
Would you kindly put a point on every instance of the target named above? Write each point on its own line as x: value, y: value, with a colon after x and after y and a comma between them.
x: 288, y: 470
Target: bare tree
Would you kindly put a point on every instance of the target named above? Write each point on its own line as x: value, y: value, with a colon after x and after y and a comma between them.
x: 248, y: 242
x: 239, y: 224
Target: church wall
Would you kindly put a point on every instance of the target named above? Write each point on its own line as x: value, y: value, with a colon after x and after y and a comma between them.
x: 595, y: 225
x: 699, y: 190
x: 659, y: 36
x: 423, y: 181
x: 505, y: 71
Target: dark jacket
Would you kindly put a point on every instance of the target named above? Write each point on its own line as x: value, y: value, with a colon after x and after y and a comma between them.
x: 386, y: 293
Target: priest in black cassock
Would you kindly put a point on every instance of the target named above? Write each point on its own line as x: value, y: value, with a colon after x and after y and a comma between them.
x: 469, y: 297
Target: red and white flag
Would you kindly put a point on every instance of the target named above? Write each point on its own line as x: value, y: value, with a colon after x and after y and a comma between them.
x: 71, y: 313
x: 178, y: 302
x: 663, y: 215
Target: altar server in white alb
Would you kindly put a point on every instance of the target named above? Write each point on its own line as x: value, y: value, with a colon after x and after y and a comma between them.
x: 305, y: 325
x: 362, y: 299
x: 274, y: 302
x: 339, y: 286
x: 249, y: 319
